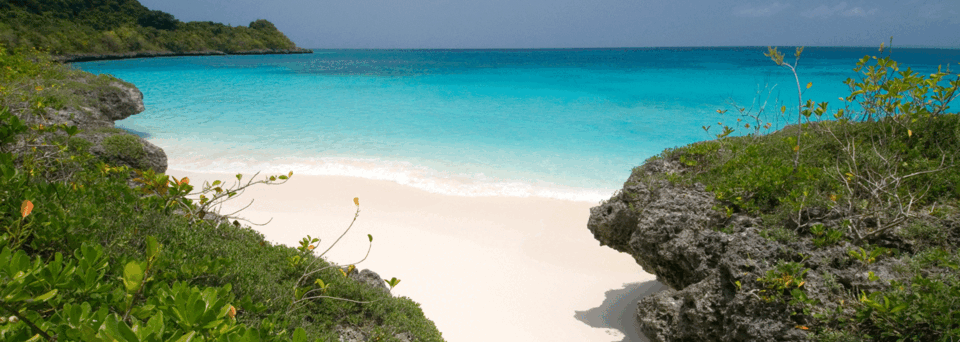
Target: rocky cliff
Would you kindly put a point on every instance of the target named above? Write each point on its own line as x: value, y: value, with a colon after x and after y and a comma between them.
x: 96, y: 105
x: 722, y: 273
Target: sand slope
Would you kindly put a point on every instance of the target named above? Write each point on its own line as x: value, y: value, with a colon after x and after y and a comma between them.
x: 482, y: 268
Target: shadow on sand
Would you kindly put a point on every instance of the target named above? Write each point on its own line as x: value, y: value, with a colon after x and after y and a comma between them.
x: 619, y: 311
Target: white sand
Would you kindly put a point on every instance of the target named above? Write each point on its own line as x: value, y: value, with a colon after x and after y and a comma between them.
x: 482, y: 268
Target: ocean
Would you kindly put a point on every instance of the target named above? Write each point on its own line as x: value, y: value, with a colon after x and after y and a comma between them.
x: 565, y: 124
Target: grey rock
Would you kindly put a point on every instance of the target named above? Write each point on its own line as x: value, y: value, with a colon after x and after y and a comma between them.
x: 350, y: 334
x: 673, y: 232
x: 712, y: 262
x: 95, y: 118
x: 121, y: 102
x: 355, y: 334
x: 370, y: 278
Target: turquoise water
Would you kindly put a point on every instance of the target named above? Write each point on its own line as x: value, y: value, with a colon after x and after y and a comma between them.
x: 566, y: 124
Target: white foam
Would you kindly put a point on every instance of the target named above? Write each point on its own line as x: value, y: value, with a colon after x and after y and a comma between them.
x: 404, y: 173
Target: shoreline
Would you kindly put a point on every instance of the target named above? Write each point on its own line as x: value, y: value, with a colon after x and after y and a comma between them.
x: 150, y: 54
x: 442, y: 182
x: 482, y: 268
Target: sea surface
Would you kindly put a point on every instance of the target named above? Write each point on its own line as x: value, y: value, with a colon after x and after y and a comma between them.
x: 565, y: 124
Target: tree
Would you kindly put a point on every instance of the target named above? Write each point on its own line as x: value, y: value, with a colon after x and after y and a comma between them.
x: 262, y: 25
x: 159, y: 20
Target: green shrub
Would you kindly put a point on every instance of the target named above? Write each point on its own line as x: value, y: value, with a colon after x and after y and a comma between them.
x: 881, y: 170
x: 119, y: 285
x: 124, y: 147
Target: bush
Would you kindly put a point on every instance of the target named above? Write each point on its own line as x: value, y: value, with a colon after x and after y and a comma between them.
x: 124, y: 147
x: 83, y: 256
x: 878, y: 179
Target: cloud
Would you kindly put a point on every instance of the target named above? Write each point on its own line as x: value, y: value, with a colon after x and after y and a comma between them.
x: 823, y: 11
x: 762, y: 10
x: 939, y: 12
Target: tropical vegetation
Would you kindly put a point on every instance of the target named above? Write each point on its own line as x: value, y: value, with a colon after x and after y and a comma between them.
x: 875, y: 180
x: 97, y: 252
x: 103, y: 27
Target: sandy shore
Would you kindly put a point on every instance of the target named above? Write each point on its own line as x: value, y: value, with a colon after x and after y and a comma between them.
x: 482, y: 268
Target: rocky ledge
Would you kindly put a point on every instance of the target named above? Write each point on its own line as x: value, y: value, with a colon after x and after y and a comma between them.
x: 148, y: 54
x: 712, y: 262
x: 100, y: 105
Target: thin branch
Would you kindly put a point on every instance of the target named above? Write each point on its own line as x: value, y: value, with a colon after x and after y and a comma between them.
x: 30, y: 323
x: 355, y: 215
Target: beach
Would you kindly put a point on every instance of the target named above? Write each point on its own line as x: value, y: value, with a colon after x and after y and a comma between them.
x: 490, y: 268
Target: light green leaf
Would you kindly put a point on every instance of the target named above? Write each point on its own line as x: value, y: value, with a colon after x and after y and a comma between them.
x: 300, y: 335
x: 45, y: 296
x: 153, y: 247
x: 127, y: 333
x: 132, y: 276
x: 188, y: 337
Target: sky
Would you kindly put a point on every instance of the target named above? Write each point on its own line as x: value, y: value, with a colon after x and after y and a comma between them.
x: 466, y: 24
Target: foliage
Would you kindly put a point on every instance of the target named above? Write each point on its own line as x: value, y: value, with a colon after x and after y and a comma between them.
x: 123, y: 146
x: 31, y: 90
x: 921, y: 307
x: 825, y: 236
x: 86, y: 306
x: 785, y: 277
x: 144, y: 266
x: 875, y: 180
x: 120, y: 26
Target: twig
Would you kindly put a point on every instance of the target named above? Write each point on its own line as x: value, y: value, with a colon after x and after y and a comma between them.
x: 33, y: 326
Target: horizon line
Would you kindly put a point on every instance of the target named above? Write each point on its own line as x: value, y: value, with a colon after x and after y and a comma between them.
x: 651, y: 47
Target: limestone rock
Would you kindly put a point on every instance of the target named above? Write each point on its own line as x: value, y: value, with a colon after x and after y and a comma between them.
x: 711, y: 262
x: 101, y: 105
x: 370, y: 278
x: 121, y: 102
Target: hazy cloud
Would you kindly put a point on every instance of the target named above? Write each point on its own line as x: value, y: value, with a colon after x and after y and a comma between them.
x: 586, y: 23
x: 938, y: 12
x: 761, y: 10
x: 824, y: 11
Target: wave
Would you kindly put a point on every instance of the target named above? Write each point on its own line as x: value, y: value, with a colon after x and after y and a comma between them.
x: 400, y: 172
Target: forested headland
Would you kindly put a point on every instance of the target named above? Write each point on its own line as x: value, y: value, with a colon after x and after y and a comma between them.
x: 105, y: 29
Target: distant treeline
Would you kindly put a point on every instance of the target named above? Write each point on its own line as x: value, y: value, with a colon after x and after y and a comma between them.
x: 84, y: 27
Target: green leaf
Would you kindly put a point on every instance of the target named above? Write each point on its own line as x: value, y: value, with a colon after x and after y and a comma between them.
x: 132, y: 276
x: 153, y: 247
x: 155, y: 325
x: 110, y: 327
x: 370, y: 237
x: 45, y: 296
x: 299, y: 335
x: 188, y: 337
x: 127, y: 333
